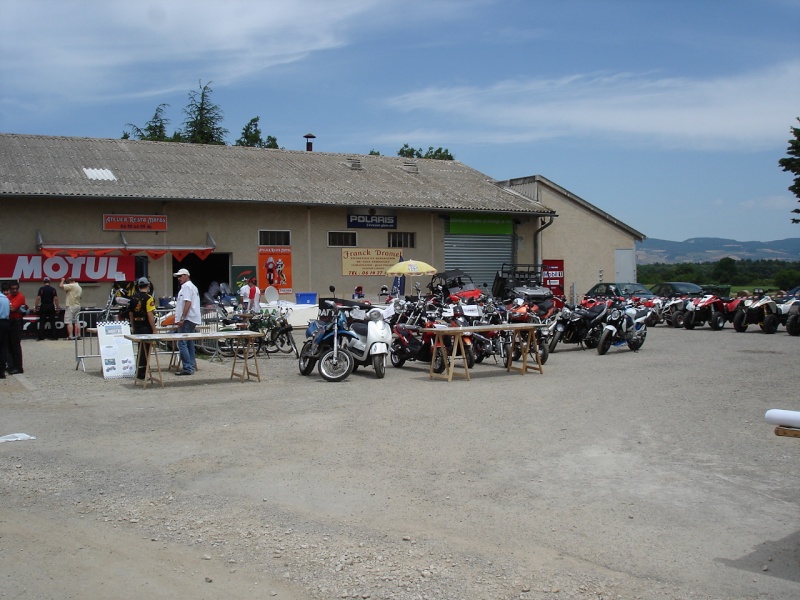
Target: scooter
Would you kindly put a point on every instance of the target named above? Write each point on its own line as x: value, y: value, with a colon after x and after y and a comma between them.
x: 371, y: 344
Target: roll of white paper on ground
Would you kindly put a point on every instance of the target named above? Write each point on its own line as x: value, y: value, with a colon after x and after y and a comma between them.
x: 787, y: 418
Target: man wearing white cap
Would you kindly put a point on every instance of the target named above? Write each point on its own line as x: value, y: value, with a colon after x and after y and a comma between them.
x: 187, y: 318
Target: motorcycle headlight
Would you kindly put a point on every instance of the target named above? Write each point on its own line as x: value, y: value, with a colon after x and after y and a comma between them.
x: 566, y: 313
x: 375, y: 315
x: 615, y: 315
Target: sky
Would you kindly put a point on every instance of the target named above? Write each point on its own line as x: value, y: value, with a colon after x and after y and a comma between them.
x: 669, y: 115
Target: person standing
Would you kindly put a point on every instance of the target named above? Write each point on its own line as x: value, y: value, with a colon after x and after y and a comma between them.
x: 18, y: 309
x: 5, y: 313
x: 73, y: 307
x: 244, y: 294
x: 254, y: 296
x: 47, y: 307
x: 187, y: 318
x: 142, y: 309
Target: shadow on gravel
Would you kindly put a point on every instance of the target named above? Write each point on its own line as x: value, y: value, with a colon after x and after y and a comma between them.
x: 777, y: 558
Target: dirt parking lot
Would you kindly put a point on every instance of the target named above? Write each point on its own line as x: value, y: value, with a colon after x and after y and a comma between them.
x: 647, y: 475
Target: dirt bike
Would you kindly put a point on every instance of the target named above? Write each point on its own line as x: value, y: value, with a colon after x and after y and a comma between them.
x: 325, y: 345
x: 760, y: 310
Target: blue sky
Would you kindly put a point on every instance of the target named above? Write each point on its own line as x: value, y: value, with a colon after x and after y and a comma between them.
x: 670, y: 115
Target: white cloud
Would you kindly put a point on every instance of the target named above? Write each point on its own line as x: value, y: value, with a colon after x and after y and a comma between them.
x: 91, y: 50
x: 747, y: 110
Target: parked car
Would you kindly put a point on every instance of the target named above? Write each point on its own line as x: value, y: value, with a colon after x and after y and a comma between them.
x: 615, y: 290
x: 670, y: 289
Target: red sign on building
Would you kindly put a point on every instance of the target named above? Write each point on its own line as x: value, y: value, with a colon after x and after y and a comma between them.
x: 134, y: 222
x: 553, y: 276
x: 35, y: 267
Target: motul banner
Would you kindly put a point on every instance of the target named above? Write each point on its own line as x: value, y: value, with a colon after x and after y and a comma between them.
x: 35, y: 267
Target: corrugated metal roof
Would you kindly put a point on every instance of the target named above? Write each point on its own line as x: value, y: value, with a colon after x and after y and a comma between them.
x: 57, y: 166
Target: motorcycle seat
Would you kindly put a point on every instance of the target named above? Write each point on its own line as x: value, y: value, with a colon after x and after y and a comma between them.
x: 360, y: 328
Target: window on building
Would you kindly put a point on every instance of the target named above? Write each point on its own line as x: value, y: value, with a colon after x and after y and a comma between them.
x: 400, y: 239
x: 342, y: 238
x: 274, y: 238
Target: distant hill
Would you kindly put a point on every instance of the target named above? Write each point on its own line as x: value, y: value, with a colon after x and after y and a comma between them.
x: 713, y: 249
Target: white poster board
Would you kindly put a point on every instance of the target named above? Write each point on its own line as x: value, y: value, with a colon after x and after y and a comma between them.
x: 116, y: 353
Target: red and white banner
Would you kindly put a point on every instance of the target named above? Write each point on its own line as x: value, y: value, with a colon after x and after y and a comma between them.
x: 35, y: 267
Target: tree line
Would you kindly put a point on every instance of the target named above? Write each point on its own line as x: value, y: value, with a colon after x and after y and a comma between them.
x: 777, y: 274
x: 203, y: 125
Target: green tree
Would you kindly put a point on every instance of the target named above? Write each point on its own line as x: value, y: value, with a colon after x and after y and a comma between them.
x: 155, y: 130
x: 792, y: 164
x: 438, y: 154
x: 725, y: 271
x: 203, y: 124
x: 786, y: 279
x: 374, y: 153
x: 251, y: 136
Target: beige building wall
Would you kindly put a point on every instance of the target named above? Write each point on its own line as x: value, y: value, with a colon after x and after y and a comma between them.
x: 235, y: 229
x: 584, y: 239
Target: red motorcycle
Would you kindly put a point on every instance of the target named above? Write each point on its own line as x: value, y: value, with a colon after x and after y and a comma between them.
x: 708, y: 309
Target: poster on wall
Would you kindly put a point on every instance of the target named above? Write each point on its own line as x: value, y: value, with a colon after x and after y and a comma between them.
x: 275, y: 268
x: 553, y: 276
x: 364, y: 262
x: 241, y: 274
x: 35, y: 267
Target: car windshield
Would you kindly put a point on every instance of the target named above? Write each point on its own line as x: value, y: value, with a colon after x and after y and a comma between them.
x: 634, y: 289
x: 687, y: 288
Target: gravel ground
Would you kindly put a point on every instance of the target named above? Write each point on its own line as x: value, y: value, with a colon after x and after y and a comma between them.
x: 630, y: 475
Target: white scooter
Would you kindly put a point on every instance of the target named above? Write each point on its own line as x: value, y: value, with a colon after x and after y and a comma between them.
x: 371, y: 347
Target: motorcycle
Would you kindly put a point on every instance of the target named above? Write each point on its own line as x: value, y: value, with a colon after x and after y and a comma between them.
x: 625, y: 324
x: 371, y: 344
x: 326, y: 341
x: 409, y: 344
x: 761, y: 310
x: 577, y: 325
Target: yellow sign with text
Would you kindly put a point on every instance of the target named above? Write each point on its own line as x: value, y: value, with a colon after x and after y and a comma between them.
x: 362, y: 262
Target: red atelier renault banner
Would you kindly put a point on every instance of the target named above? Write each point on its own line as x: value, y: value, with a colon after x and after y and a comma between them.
x: 35, y: 267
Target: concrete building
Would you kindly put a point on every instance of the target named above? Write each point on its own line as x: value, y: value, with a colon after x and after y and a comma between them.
x: 106, y: 209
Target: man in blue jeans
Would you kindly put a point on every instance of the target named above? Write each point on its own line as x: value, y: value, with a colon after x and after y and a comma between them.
x: 187, y: 318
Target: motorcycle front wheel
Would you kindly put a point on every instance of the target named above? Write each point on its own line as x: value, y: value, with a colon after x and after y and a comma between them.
x: 306, y: 361
x: 638, y: 341
x: 338, y: 368
x: 379, y: 364
x: 553, y: 342
x: 605, y: 342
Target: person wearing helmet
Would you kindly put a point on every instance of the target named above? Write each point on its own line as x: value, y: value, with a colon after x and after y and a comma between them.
x: 142, y: 311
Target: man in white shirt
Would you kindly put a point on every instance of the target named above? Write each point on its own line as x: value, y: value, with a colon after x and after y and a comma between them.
x: 187, y: 318
x: 244, y: 295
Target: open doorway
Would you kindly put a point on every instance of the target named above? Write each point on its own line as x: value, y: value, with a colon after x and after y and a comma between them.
x: 216, y: 267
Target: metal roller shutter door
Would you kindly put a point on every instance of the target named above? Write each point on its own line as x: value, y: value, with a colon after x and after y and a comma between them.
x: 480, y: 256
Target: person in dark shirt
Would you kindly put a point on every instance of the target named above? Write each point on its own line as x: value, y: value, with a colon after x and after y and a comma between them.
x: 47, y: 307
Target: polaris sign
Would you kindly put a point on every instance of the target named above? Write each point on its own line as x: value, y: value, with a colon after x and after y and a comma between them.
x: 371, y: 219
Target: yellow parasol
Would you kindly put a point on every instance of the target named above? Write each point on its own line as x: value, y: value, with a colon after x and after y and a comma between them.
x: 411, y: 267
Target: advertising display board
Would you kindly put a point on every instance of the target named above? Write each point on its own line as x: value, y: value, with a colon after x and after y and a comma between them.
x: 116, y: 353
